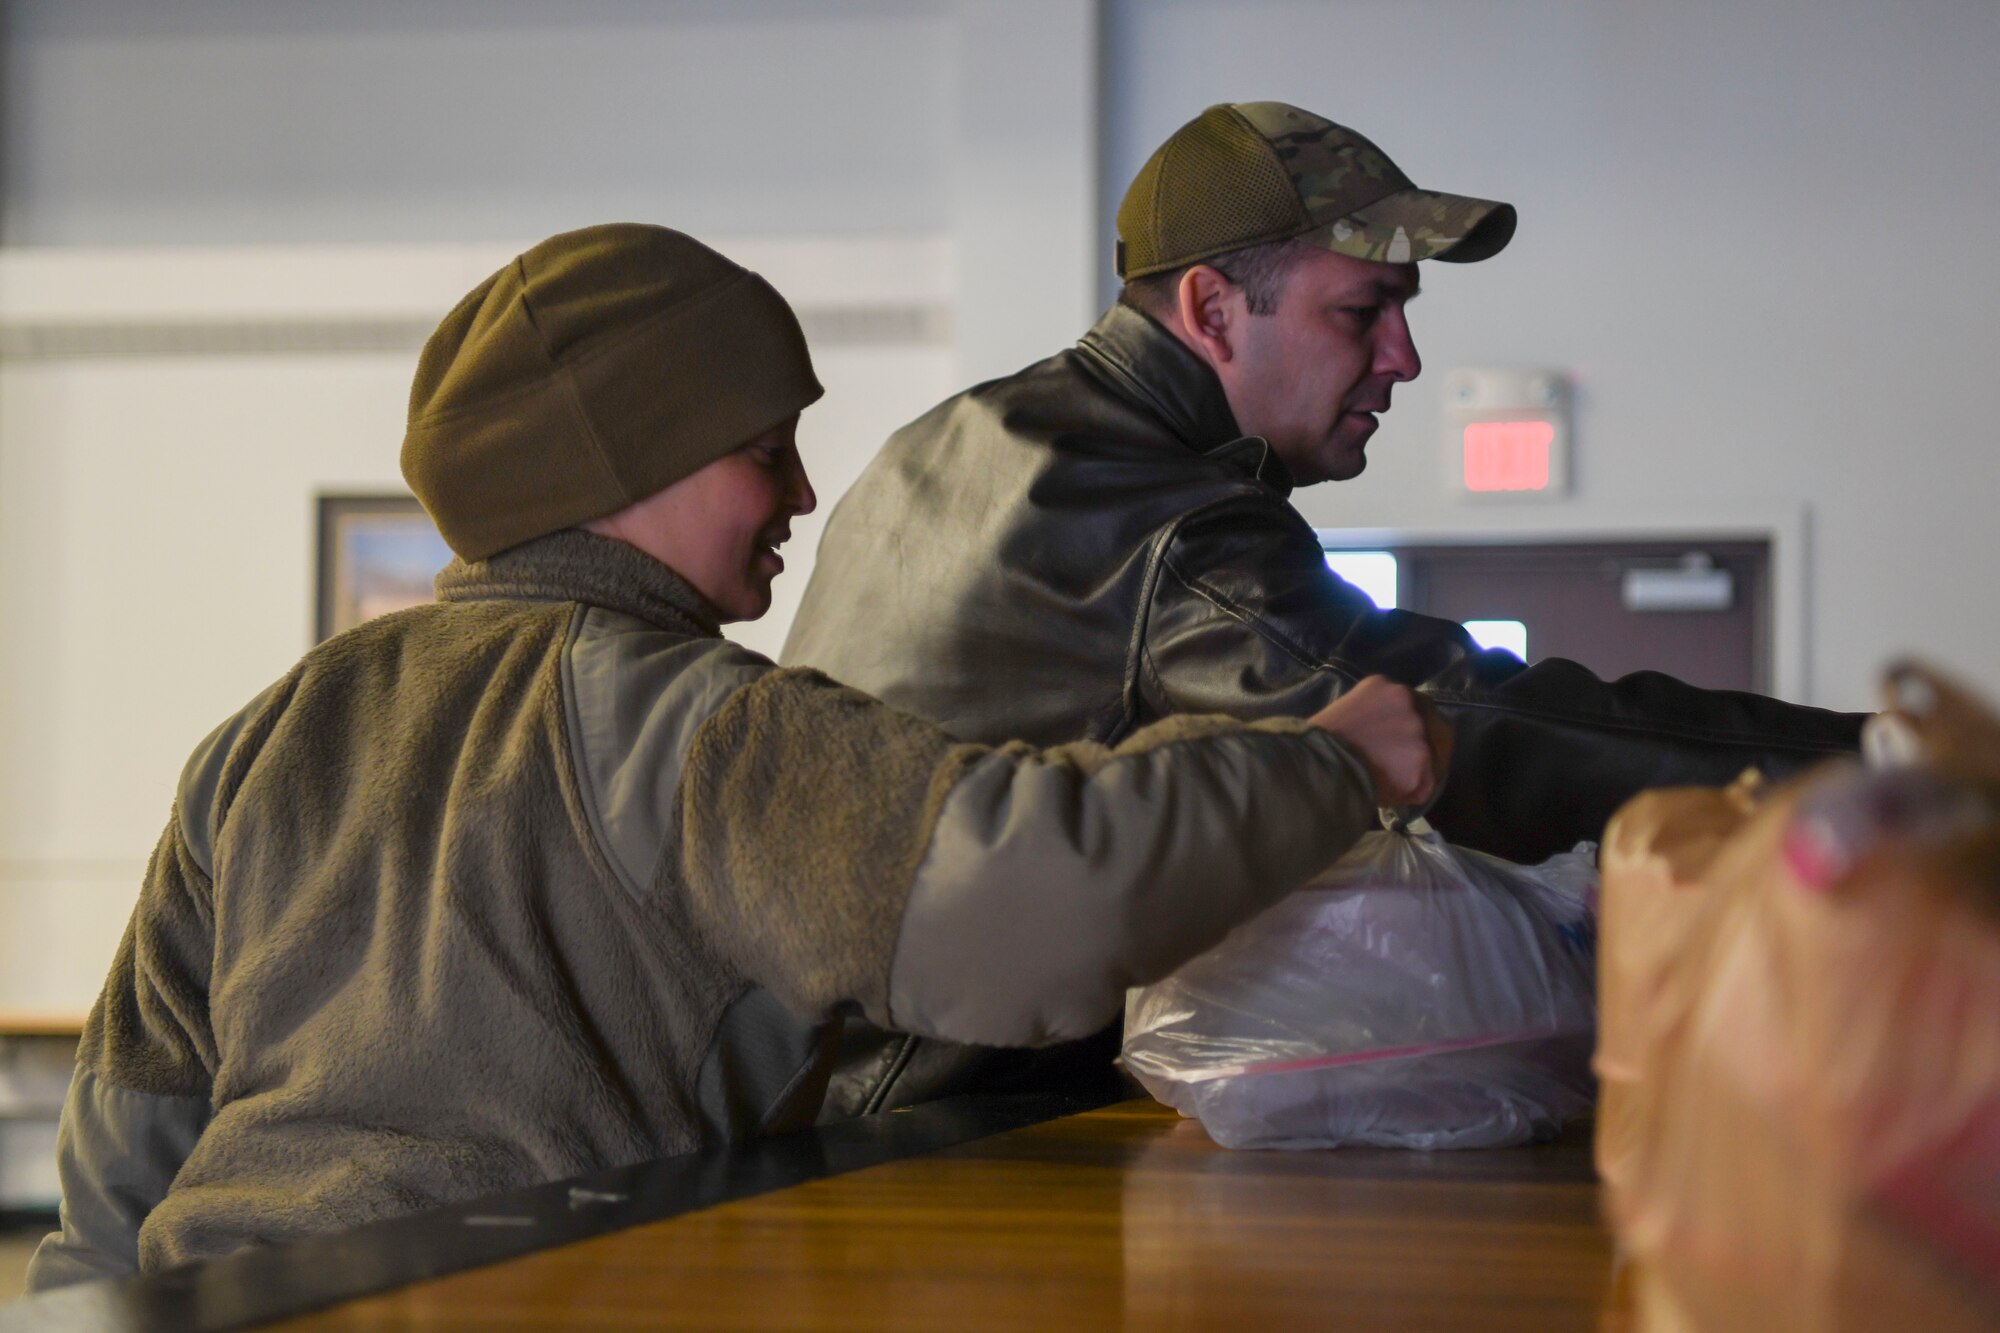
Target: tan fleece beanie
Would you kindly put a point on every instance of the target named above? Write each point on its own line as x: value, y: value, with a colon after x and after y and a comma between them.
x: 597, y: 368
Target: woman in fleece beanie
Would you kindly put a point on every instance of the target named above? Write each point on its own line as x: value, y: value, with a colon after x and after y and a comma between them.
x: 548, y: 877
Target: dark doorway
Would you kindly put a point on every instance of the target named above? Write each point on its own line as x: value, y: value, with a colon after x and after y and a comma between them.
x: 1699, y: 610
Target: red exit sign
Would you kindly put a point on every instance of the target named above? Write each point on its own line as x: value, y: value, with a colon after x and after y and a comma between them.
x: 1506, y: 433
x: 1508, y: 455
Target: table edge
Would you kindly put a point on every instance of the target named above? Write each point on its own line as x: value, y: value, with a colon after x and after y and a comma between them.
x: 275, y: 1282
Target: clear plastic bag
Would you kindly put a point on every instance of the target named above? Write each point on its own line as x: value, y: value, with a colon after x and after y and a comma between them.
x: 1418, y: 995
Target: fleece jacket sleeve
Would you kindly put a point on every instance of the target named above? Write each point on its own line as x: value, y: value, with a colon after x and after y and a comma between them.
x: 1056, y: 880
x: 849, y: 855
x: 141, y: 1093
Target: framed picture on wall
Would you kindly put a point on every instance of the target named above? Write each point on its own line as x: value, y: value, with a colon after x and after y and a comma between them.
x: 377, y: 554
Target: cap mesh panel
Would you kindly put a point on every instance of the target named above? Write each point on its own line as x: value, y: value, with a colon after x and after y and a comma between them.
x: 1215, y: 186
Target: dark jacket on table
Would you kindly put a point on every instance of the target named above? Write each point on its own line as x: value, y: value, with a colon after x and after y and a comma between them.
x: 547, y: 878
x: 1087, y: 546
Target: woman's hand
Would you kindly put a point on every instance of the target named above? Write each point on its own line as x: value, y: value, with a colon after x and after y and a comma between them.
x: 1398, y: 734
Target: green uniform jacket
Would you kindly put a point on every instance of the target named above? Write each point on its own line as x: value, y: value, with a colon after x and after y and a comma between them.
x: 547, y: 877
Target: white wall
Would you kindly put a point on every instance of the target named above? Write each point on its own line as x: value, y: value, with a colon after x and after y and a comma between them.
x: 1759, y: 234
x: 209, y: 122
x: 287, y: 121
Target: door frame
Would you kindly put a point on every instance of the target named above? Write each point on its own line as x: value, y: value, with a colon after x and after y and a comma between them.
x: 1786, y: 528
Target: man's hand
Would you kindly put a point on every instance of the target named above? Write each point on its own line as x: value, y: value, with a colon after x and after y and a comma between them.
x: 1399, y: 735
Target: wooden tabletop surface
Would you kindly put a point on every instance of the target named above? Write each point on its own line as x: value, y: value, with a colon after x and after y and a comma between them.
x: 1125, y: 1217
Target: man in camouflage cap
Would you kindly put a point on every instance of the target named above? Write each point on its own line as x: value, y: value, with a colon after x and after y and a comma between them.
x: 1253, y: 200
x: 1105, y: 537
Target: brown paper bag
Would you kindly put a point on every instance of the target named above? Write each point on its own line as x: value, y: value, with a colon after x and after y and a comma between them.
x: 1799, y: 1038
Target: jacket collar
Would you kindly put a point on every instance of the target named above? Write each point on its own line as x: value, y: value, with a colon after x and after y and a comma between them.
x: 578, y: 566
x: 1148, y: 364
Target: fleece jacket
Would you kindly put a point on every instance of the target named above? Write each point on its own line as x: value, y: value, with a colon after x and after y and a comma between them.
x: 547, y: 877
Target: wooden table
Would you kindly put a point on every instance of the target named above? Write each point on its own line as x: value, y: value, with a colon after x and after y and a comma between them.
x: 1119, y: 1217
x: 1125, y: 1217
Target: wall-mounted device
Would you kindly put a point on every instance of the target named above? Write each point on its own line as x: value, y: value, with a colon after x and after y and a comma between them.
x: 1692, y: 583
x: 1509, y: 432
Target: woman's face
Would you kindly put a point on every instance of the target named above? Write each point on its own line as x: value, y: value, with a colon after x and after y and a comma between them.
x: 720, y: 528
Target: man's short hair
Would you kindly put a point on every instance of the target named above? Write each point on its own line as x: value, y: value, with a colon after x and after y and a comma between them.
x: 1260, y: 270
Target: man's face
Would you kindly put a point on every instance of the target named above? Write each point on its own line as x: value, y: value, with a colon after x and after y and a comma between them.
x: 1312, y: 376
x: 720, y: 528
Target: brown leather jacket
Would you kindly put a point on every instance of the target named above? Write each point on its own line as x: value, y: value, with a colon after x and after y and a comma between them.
x: 1090, y: 544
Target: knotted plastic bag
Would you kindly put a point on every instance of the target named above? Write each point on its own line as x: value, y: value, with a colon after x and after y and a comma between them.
x: 1418, y: 995
x: 1800, y: 1051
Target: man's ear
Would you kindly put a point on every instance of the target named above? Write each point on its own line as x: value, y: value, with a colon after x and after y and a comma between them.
x: 1211, y: 309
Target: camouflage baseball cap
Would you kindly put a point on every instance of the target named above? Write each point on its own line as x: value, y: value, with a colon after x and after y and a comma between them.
x: 1250, y: 173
